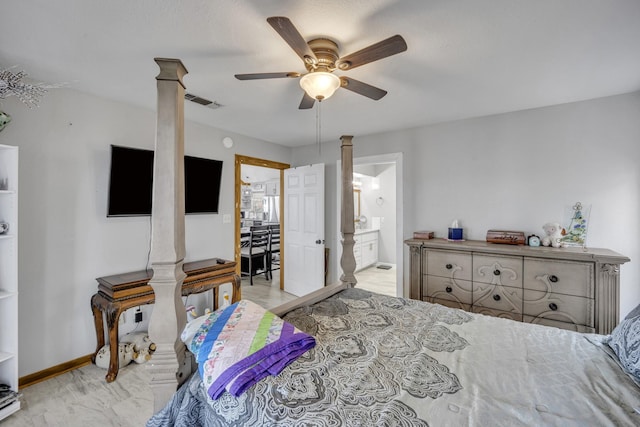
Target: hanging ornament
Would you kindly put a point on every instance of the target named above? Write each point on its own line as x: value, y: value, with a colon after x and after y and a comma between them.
x: 29, y: 93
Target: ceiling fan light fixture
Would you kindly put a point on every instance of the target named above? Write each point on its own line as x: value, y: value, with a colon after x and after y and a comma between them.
x: 320, y: 85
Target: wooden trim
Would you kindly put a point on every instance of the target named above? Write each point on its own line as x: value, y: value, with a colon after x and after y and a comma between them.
x: 54, y: 371
x: 254, y: 161
x: 310, y: 298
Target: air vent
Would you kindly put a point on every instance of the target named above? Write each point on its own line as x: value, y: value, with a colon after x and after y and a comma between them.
x: 201, y: 101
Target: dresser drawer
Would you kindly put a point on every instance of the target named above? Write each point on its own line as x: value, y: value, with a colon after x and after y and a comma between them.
x: 497, y: 313
x: 449, y: 264
x: 560, y: 307
x: 502, y: 298
x: 498, y: 270
x: 448, y: 289
x: 564, y: 277
x: 452, y: 304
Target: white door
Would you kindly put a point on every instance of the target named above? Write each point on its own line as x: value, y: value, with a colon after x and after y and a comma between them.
x: 304, y: 229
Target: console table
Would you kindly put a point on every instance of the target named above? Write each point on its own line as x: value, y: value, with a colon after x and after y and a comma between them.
x: 570, y: 288
x: 120, y: 292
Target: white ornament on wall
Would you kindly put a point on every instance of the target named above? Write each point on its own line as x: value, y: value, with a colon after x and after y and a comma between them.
x: 29, y: 93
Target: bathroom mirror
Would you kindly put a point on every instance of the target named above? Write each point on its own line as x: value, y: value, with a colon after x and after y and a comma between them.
x: 356, y: 205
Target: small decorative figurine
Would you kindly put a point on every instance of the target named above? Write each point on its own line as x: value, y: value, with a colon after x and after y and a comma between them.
x: 125, y: 355
x: 533, y: 240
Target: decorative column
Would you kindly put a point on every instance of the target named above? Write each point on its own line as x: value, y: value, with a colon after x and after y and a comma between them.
x: 607, y: 297
x: 415, y: 269
x: 169, y: 366
x: 347, y: 226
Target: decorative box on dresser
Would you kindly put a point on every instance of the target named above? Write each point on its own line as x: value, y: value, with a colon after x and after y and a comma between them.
x: 570, y: 288
x: 9, y: 279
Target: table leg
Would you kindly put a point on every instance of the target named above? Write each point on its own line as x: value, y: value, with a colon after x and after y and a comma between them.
x: 236, y: 294
x: 113, y: 316
x: 98, y: 320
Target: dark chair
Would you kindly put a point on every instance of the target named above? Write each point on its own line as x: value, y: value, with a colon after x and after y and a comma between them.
x: 273, y: 255
x: 253, y: 252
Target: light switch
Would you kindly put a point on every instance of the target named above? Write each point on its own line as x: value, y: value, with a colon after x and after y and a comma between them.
x: 226, y: 219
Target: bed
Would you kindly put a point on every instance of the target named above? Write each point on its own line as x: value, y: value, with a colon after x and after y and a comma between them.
x: 381, y: 360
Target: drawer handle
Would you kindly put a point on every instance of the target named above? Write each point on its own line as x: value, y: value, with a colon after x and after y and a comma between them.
x: 553, y: 278
x: 553, y: 306
x: 496, y: 272
x: 496, y: 297
x: 449, y: 266
x: 449, y: 289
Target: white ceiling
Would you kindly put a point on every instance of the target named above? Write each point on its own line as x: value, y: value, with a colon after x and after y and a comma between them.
x: 465, y: 58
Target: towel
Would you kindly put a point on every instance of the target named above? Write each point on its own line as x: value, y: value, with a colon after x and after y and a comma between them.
x: 238, y: 345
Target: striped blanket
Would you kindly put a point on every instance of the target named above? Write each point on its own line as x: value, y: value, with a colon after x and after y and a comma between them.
x: 237, y: 346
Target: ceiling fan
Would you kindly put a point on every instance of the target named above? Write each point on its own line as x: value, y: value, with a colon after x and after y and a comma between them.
x: 321, y: 58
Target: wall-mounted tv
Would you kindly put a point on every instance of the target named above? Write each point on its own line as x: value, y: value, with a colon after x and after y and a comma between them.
x: 131, y: 183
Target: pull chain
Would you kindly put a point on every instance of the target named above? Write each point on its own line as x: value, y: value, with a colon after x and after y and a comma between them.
x: 319, y: 127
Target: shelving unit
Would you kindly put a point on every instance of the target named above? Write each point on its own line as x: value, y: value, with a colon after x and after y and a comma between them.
x: 9, y: 276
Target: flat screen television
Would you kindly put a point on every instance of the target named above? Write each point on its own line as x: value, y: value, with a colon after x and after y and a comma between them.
x: 131, y: 183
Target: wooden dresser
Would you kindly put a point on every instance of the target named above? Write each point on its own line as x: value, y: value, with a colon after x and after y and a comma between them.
x: 570, y: 288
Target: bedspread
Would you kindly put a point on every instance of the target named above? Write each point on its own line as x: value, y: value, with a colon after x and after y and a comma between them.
x: 389, y: 361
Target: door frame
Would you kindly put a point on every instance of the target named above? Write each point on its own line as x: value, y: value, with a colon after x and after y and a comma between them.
x: 399, y: 243
x: 254, y: 161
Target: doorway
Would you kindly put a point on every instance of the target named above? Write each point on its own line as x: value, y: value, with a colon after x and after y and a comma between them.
x: 278, y: 210
x: 378, y: 189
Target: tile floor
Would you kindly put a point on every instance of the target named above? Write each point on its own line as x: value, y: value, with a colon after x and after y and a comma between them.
x: 378, y: 280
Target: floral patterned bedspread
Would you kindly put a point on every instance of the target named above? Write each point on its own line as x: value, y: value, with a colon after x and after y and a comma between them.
x: 389, y: 361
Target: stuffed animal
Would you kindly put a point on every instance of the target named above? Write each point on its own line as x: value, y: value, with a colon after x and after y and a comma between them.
x: 144, y: 355
x: 143, y: 348
x: 125, y: 355
x: 553, y: 235
x: 193, y: 314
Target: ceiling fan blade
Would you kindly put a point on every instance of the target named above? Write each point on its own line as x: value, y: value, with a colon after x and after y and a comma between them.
x: 362, y: 88
x: 257, y: 76
x: 290, y: 34
x: 387, y: 47
x: 307, y: 102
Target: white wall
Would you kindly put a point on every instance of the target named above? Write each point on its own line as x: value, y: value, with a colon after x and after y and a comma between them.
x: 66, y: 240
x: 518, y: 171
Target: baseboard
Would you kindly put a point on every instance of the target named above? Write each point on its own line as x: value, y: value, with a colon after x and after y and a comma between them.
x: 54, y: 371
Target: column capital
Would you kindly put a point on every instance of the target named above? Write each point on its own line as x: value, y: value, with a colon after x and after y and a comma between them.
x: 171, y: 69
